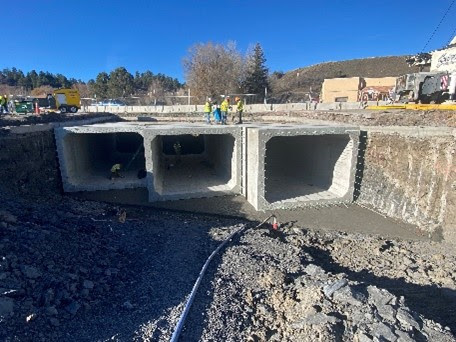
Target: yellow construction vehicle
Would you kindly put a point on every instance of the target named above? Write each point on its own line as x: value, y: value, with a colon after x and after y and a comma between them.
x: 67, y: 100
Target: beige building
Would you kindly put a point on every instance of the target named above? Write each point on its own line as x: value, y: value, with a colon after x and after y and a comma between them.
x: 349, y: 89
x: 341, y: 89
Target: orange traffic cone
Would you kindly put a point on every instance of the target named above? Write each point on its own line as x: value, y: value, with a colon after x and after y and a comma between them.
x: 275, y: 224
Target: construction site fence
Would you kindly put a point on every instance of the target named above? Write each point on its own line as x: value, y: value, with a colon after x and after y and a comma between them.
x: 253, y: 108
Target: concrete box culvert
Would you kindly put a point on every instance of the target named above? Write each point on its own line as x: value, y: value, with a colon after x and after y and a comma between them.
x: 294, y: 166
x: 87, y: 154
x: 193, y: 162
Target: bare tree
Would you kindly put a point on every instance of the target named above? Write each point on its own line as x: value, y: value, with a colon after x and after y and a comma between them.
x: 213, y: 69
x: 156, y: 92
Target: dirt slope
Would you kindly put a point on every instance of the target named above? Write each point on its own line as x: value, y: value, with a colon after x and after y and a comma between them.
x: 300, y: 80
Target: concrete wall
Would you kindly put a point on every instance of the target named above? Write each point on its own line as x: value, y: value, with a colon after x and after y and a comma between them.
x: 197, y: 111
x: 410, y: 174
x: 216, y: 170
x: 294, y: 166
x: 87, y: 153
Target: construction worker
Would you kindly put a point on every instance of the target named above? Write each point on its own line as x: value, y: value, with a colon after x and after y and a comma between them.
x: 1, y: 104
x: 178, y: 151
x: 5, y: 104
x: 217, y: 113
x: 224, y: 107
x: 208, y: 110
x: 115, y: 171
x: 239, y: 109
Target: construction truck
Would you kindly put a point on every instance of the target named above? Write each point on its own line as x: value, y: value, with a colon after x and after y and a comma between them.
x: 424, y: 87
x: 67, y: 100
x: 435, y: 86
x: 64, y: 100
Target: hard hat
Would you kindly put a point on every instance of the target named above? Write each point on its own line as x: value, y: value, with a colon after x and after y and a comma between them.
x: 237, y: 98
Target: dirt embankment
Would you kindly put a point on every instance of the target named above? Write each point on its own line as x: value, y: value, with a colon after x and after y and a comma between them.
x: 412, y: 178
x: 293, y: 84
x: 417, y: 118
x: 28, y: 163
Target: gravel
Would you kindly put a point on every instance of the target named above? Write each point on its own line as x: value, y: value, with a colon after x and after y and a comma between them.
x: 71, y: 270
x: 305, y: 285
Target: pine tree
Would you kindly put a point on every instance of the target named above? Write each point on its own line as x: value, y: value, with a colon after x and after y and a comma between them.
x: 256, y: 78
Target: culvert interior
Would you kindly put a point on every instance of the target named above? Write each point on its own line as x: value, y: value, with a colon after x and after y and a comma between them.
x: 307, y: 167
x: 89, y: 158
x: 192, y: 164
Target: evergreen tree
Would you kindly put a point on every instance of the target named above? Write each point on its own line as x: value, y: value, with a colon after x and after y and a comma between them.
x: 120, y: 83
x: 256, y: 78
x: 100, y: 85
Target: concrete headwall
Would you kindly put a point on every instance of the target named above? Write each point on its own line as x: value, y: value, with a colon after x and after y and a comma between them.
x: 410, y: 174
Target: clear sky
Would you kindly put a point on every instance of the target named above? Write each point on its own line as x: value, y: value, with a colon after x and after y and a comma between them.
x: 80, y: 38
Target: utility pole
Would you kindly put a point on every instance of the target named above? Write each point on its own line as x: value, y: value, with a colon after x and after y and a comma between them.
x: 188, y: 102
x: 265, y: 95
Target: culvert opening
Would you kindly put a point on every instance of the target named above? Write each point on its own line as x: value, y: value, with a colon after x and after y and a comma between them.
x: 191, y: 164
x: 90, y: 156
x: 305, y: 168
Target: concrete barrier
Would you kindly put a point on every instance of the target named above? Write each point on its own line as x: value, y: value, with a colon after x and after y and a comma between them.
x: 251, y: 108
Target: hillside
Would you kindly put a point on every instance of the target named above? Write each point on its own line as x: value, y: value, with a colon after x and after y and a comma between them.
x: 294, y: 84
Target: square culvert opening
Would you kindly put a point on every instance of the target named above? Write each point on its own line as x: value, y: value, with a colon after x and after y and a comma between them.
x: 304, y: 168
x: 90, y: 156
x: 193, y: 164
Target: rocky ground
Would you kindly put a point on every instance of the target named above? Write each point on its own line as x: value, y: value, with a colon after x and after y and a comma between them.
x: 393, y: 117
x: 87, y: 271
x: 307, y: 286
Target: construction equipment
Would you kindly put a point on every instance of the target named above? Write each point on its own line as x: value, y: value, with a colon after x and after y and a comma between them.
x: 423, y: 87
x: 23, y: 106
x: 67, y: 100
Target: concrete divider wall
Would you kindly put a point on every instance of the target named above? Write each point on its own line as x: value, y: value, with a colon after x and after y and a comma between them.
x: 410, y: 174
x: 251, y: 108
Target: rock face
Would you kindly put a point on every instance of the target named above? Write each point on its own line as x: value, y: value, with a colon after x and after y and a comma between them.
x: 309, y: 286
x: 411, y: 177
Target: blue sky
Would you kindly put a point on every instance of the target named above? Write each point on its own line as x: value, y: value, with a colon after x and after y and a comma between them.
x: 80, y: 38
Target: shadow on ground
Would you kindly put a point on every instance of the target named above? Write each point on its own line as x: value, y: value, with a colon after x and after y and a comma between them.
x: 433, y: 302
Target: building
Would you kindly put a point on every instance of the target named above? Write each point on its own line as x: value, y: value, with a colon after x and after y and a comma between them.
x: 353, y: 89
x: 341, y: 89
x: 445, y: 59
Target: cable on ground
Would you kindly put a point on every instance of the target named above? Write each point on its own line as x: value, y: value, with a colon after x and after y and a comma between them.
x: 185, y: 311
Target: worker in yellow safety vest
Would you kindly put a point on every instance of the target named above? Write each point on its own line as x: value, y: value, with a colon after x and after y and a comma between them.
x: 208, y: 110
x: 2, y: 101
x: 224, y: 107
x: 239, y: 109
x: 115, y: 171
